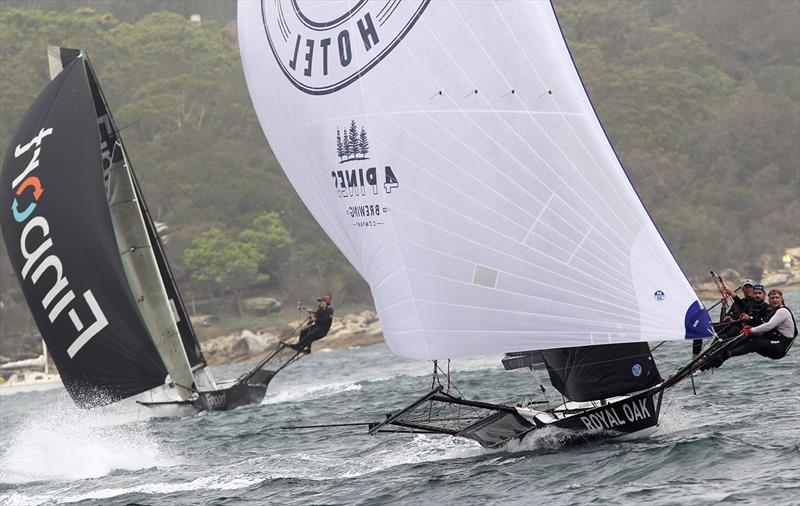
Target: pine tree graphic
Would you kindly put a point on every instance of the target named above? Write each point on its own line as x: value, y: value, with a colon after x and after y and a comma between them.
x: 339, y: 145
x: 363, y: 143
x: 352, y: 136
x: 351, y: 144
x: 347, y: 148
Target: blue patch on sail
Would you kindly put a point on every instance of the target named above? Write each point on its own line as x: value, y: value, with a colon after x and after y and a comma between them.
x: 698, y: 322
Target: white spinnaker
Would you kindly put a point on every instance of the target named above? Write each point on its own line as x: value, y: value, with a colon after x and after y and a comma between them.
x: 512, y: 225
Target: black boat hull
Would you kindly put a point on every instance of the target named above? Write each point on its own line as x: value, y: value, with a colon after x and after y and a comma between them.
x: 250, y: 391
x: 494, y: 425
x: 626, y: 416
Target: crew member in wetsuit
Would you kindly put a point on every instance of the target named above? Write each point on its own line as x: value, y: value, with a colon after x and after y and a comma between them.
x: 743, y: 303
x: 321, y: 320
x: 771, y: 339
x: 751, y: 310
x: 729, y: 325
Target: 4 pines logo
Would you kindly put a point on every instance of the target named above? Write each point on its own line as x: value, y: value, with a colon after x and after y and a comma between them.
x: 322, y: 47
x: 352, y: 145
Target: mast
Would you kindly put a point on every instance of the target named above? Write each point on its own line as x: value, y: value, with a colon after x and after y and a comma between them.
x: 191, y: 344
x: 140, y: 248
x: 46, y: 361
x: 188, y: 336
x: 141, y: 251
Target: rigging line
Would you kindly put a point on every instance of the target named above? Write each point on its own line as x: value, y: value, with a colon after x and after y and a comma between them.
x: 174, y: 184
x: 674, y: 396
x: 453, y: 383
x: 613, y: 230
x: 656, y: 346
x: 555, y: 103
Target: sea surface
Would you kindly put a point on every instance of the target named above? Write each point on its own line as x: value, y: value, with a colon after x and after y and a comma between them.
x: 736, y: 440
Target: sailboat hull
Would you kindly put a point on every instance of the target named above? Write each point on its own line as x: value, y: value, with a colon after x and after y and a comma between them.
x: 242, y: 393
x: 625, y: 416
x: 250, y: 390
x: 493, y: 425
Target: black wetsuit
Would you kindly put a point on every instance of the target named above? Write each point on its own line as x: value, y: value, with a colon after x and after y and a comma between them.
x: 770, y: 344
x: 727, y: 329
x: 317, y: 330
x: 759, y: 312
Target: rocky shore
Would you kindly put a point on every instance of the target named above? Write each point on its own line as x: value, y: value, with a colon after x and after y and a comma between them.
x: 782, y: 280
x: 357, y: 329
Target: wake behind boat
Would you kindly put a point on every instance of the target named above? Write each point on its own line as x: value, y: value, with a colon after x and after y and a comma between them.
x: 90, y: 262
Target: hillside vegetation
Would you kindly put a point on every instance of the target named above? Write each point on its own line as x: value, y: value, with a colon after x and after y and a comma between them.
x: 701, y: 100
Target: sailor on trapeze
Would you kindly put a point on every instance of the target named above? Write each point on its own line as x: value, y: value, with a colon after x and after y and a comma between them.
x: 318, y: 327
x: 771, y: 339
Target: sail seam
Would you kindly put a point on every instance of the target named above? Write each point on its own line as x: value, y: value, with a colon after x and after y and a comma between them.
x: 613, y: 230
x: 390, y: 220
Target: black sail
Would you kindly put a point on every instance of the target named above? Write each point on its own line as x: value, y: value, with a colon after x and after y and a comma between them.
x: 57, y: 230
x: 587, y: 373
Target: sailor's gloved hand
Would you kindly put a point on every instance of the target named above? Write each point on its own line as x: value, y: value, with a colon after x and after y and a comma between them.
x: 747, y: 330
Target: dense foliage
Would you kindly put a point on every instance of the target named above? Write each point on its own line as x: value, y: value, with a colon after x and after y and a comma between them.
x: 701, y: 100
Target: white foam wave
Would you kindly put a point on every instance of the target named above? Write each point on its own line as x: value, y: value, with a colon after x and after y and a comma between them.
x: 319, y: 467
x: 308, y: 392
x: 64, y: 442
x: 214, y: 482
x: 549, y: 438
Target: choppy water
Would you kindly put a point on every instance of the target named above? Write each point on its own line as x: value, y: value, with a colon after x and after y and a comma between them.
x: 738, y: 440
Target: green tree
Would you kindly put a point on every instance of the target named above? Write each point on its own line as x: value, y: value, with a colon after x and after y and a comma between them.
x: 230, y: 263
x: 271, y: 238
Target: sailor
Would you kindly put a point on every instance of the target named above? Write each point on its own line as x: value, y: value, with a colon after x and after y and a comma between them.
x: 319, y: 326
x: 757, y: 311
x: 740, y: 304
x: 751, y: 310
x: 771, y: 339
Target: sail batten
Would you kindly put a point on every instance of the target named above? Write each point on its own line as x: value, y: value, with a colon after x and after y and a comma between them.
x: 464, y: 174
